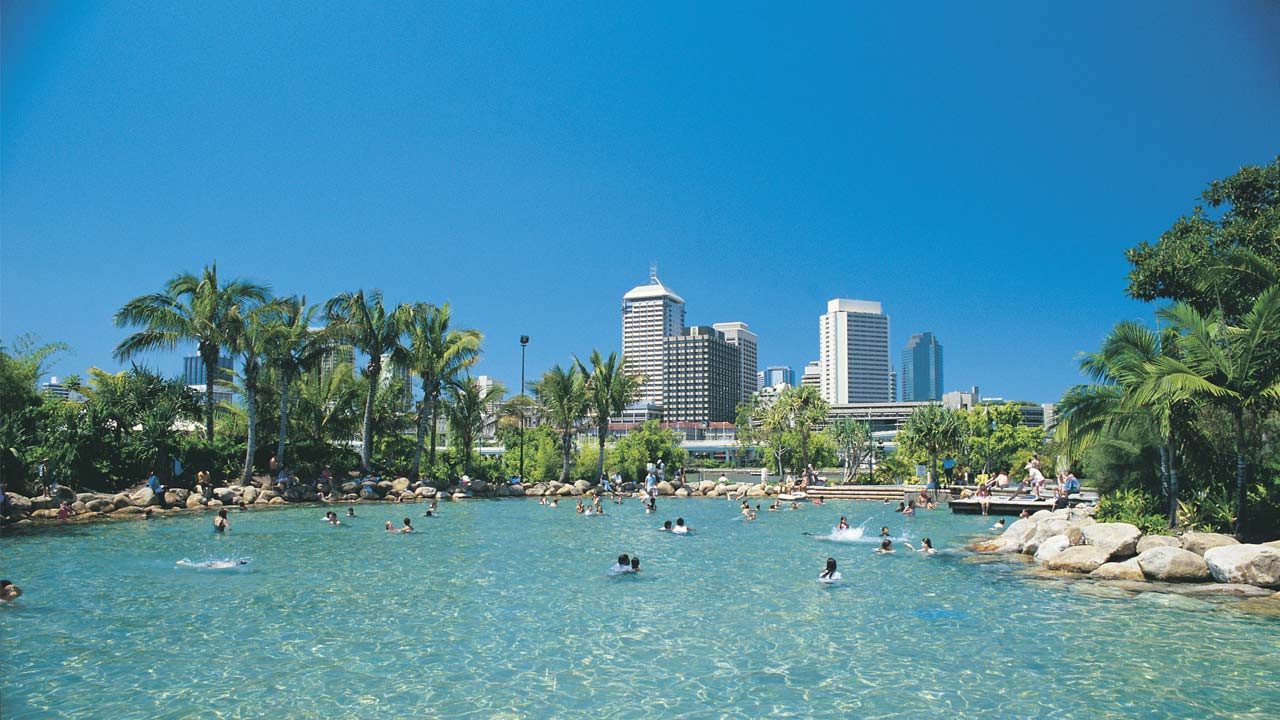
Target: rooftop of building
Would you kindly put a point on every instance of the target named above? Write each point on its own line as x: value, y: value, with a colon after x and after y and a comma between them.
x: 653, y: 290
x: 854, y: 306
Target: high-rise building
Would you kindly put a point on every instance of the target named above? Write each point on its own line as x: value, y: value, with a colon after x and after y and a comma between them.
x: 398, y: 371
x: 893, y: 386
x: 812, y: 376
x: 779, y: 375
x: 193, y: 370
x: 335, y: 354
x: 703, y: 377
x: 737, y: 335
x: 650, y: 313
x: 760, y: 381
x: 854, y: 344
x: 922, y: 368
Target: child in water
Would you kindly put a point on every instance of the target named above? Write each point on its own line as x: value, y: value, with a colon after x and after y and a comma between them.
x: 886, y: 547
x: 926, y: 547
x: 884, y: 531
x: 622, y: 566
x: 681, y: 528
x: 829, y: 574
x: 843, y: 525
x: 635, y: 564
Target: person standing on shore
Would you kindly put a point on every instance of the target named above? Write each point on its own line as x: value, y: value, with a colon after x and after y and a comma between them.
x: 46, y: 478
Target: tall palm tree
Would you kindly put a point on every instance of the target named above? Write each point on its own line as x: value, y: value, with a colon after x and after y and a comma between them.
x: 189, y: 308
x: 564, y: 399
x: 935, y: 430
x: 1111, y: 404
x: 1234, y: 366
x: 254, y: 333
x: 364, y: 322
x: 327, y: 404
x: 292, y: 349
x: 439, y: 356
x: 468, y: 411
x: 610, y: 388
x: 802, y: 408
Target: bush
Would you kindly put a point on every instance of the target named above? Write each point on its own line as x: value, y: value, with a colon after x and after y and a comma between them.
x: 1134, y: 507
x: 223, y: 459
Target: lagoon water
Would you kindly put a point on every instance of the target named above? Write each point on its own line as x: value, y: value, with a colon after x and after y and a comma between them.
x: 504, y: 609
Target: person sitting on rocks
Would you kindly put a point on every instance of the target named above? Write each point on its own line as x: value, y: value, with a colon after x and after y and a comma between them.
x: 64, y: 511
x: 9, y: 592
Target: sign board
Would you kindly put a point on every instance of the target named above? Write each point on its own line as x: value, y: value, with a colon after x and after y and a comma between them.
x: 920, y: 470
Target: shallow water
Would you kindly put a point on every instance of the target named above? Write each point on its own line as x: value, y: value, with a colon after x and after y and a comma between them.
x: 504, y: 609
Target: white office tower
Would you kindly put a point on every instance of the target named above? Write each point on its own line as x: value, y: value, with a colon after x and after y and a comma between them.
x: 737, y: 335
x: 854, y: 344
x: 649, y: 314
x: 812, y: 376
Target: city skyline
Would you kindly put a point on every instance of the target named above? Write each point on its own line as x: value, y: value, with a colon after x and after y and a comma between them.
x: 944, y: 174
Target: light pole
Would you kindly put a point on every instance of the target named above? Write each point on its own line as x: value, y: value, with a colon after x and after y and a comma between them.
x: 524, y: 340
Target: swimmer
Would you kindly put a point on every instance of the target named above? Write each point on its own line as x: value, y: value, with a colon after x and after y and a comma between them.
x: 926, y: 547
x: 999, y: 525
x: 220, y: 523
x: 829, y: 574
x: 884, y: 531
x: 817, y: 501
x: 777, y: 505
x: 843, y: 524
x: 635, y: 564
x: 9, y: 592
x: 795, y: 505
x: 351, y: 512
x: 542, y: 500
x: 886, y: 501
x: 554, y: 503
x: 242, y: 506
x: 666, y: 527
x: 909, y: 511
x: 681, y: 528
x: 331, y: 517
x: 886, y: 547
x: 581, y: 509
x: 622, y: 566
x: 390, y: 526
x: 1024, y: 515
x: 408, y: 526
x: 901, y: 507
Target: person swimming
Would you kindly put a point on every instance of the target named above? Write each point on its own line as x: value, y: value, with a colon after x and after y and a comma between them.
x: 351, y: 512
x: 635, y: 564
x: 9, y: 592
x: 886, y: 546
x: 795, y: 505
x: 901, y: 507
x: 581, y: 509
x: 408, y: 526
x: 622, y: 566
x: 554, y: 503
x: 666, y: 527
x: 926, y: 547
x: 331, y: 517
x: 829, y: 574
x: 884, y: 531
x: 843, y: 524
x: 909, y: 511
x: 999, y: 525
x: 220, y: 523
x: 681, y: 528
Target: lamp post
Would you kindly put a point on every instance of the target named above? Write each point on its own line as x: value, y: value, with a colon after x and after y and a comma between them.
x: 524, y: 340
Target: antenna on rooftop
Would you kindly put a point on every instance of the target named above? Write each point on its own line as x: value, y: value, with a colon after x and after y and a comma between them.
x: 653, y: 272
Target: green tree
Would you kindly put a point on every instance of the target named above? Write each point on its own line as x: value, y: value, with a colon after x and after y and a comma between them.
x: 1234, y: 366
x: 439, y: 356
x: 364, y: 322
x: 610, y: 388
x: 292, y: 349
x: 468, y: 409
x: 250, y: 338
x: 564, y: 399
x: 326, y: 405
x: 645, y: 444
x: 190, y: 308
x: 801, y: 409
x: 855, y: 444
x: 933, y: 430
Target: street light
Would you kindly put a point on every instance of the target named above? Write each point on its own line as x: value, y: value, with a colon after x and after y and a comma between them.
x: 524, y: 340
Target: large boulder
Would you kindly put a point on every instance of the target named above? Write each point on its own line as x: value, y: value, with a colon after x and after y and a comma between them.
x: 349, y: 487
x: 100, y: 505
x: 1173, y: 564
x: 1199, y: 543
x: 425, y: 491
x: 276, y: 501
x: 1249, y: 564
x: 1016, y: 535
x: 224, y: 495
x: 665, y: 488
x: 250, y: 494
x: 19, y: 503
x: 1045, y: 529
x: 564, y: 491
x: 145, y: 497
x: 400, y: 484
x: 195, y: 500
x: 1051, y: 547
x: 1147, y: 542
x: 129, y: 510
x: 1078, y: 559
x: 706, y: 486
x: 480, y: 486
x: 757, y: 491
x: 682, y: 492
x: 176, y: 497
x: 1127, y: 570
x: 78, y: 507
x: 517, y: 490
x: 1117, y: 540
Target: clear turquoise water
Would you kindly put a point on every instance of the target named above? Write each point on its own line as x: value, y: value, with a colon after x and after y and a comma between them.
x: 503, y: 609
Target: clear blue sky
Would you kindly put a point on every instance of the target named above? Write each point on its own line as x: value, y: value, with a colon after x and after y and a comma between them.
x: 977, y: 167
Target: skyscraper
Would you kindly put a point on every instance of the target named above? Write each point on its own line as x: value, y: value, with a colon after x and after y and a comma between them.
x: 737, y: 335
x: 193, y: 370
x: 779, y: 375
x: 812, y: 376
x: 703, y: 379
x: 854, y: 358
x: 922, y: 368
x: 650, y: 313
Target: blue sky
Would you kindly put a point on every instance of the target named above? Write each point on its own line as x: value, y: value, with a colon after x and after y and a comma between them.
x: 978, y: 168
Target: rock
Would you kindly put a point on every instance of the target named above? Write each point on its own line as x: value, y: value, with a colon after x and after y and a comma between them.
x: 1117, y: 540
x: 503, y: 490
x: 50, y: 513
x: 682, y: 492
x: 85, y: 497
x: 564, y: 491
x: 717, y: 491
x: 463, y: 496
x: 120, y: 500
x: 1127, y: 570
x: 1075, y: 535
x: 1236, y: 589
x: 195, y: 500
x: 129, y: 510
x: 214, y: 503
x: 64, y: 494
x: 1273, y: 543
x: 1041, y: 515
x: 224, y: 496
x: 1079, y: 558
x: 78, y: 507
x: 480, y: 486
x: 348, y: 497
x: 1147, y: 542
x: 517, y: 491
x: 1249, y: 564
x: 629, y: 487
x: 250, y: 494
x: 19, y: 503
x: 384, y: 486
x: 426, y: 491
x: 582, y: 486
x: 145, y: 497
x: 1051, y: 548
x: 100, y: 505
x: 706, y: 486
x: 1266, y: 607
x: 267, y: 495
x: 1198, y: 543
x: 756, y: 491
x: 1172, y: 564
x: 1044, y: 530
x: 276, y: 501
x: 1014, y: 536
x: 176, y: 496
x: 664, y: 488
x: 400, y: 484
x: 349, y: 487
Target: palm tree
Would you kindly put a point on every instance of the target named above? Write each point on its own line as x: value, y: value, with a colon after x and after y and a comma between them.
x: 1110, y: 405
x: 611, y: 388
x: 364, y: 322
x: 564, y: 398
x: 292, y: 349
x: 327, y: 404
x: 468, y: 411
x: 802, y: 408
x: 1233, y: 366
x: 189, y: 308
x: 252, y: 336
x: 439, y: 356
x: 934, y: 430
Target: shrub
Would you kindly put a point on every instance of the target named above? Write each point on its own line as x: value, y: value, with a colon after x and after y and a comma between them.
x: 1134, y: 507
